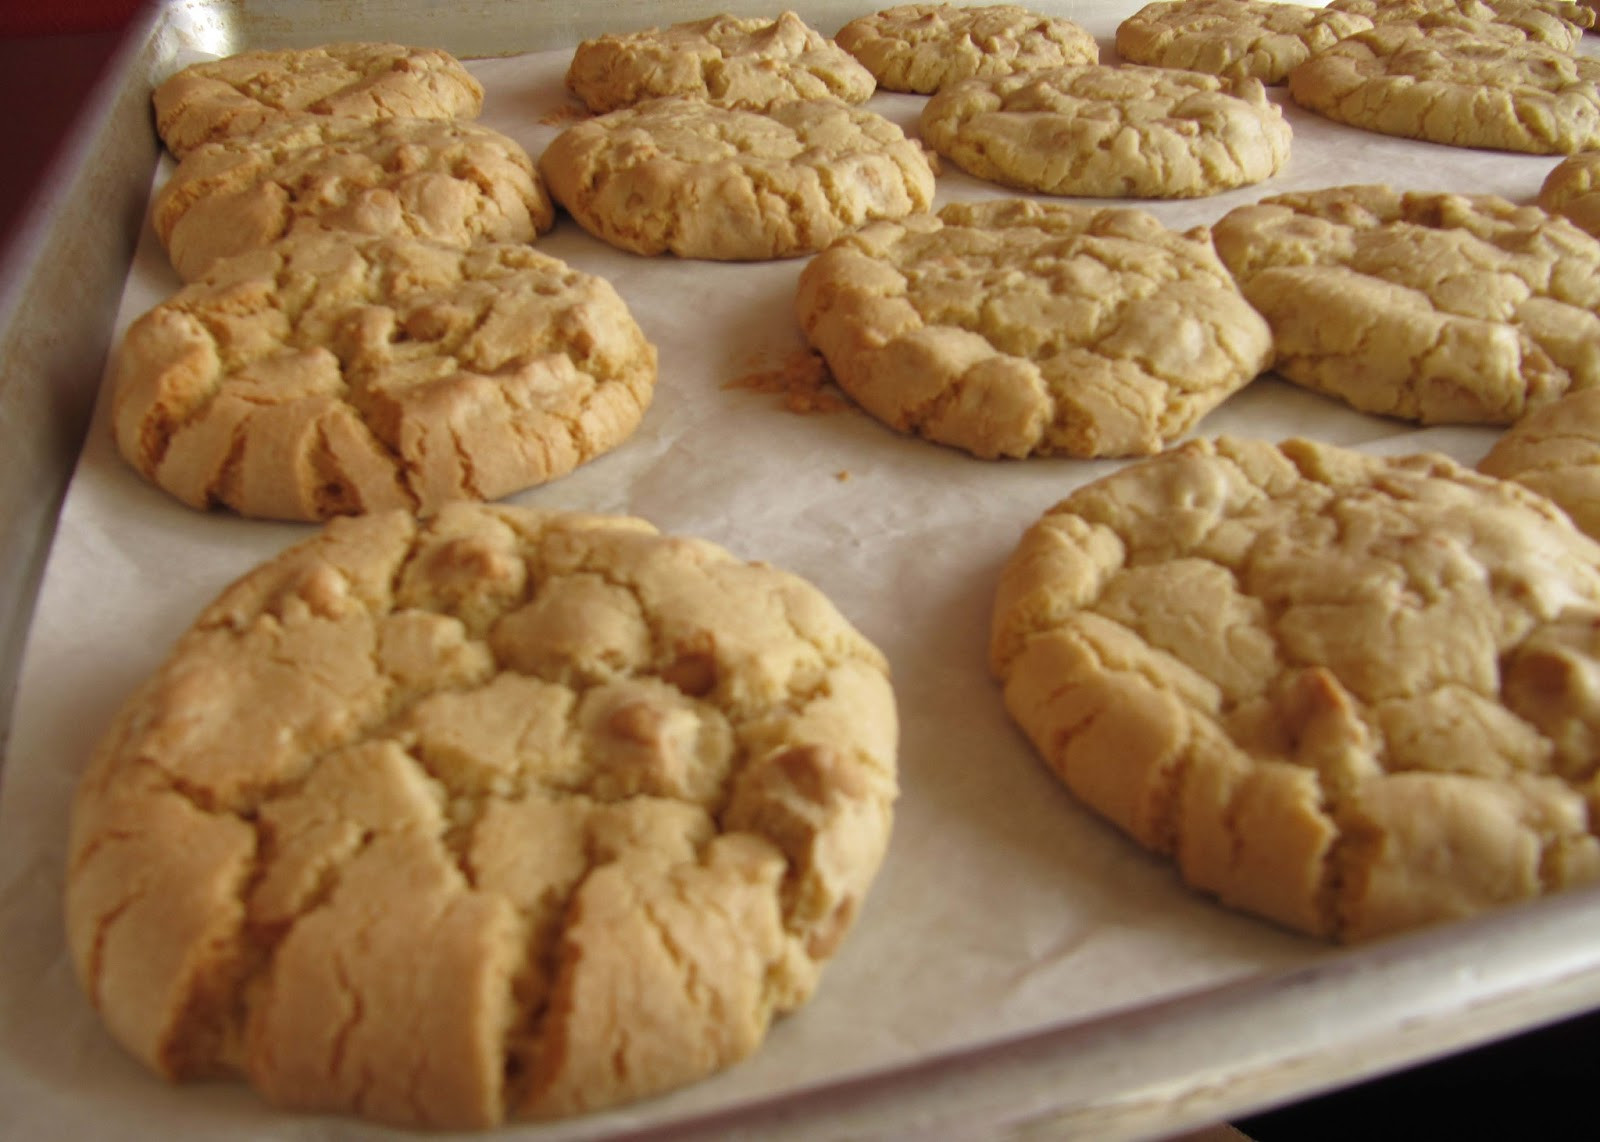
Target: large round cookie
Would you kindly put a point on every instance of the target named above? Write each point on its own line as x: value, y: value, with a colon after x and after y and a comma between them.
x: 1017, y: 328
x: 1554, y: 22
x: 1572, y: 189
x: 749, y: 63
x: 1487, y: 87
x: 245, y: 92
x: 1347, y: 693
x: 450, y: 182
x: 685, y: 177
x: 922, y: 47
x: 497, y: 814
x: 1555, y: 450
x: 1256, y: 39
x: 1439, y: 308
x: 329, y: 374
x: 1110, y: 132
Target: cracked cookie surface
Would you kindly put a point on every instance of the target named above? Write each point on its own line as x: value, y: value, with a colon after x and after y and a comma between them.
x: 1438, y: 308
x: 1555, y: 450
x: 749, y: 63
x: 1572, y: 189
x: 329, y: 374
x: 368, y: 81
x: 1486, y: 87
x: 451, y: 182
x: 684, y: 177
x: 1347, y: 693
x: 498, y: 814
x: 1016, y: 328
x: 920, y: 48
x: 1110, y: 132
x: 1256, y: 39
x: 1554, y: 22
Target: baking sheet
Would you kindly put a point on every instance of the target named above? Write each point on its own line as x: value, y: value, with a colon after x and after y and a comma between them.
x: 1003, y: 908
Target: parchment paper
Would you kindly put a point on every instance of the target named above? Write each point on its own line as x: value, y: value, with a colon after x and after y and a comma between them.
x: 1003, y: 907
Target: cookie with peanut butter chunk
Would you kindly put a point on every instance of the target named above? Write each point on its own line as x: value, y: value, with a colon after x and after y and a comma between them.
x: 1347, y: 693
x: 1237, y: 39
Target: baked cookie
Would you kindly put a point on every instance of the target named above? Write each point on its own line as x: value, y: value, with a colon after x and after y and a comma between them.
x: 1439, y: 308
x: 1554, y: 22
x: 245, y: 92
x: 921, y: 47
x: 1486, y: 87
x: 1572, y: 189
x: 1110, y: 132
x: 450, y: 182
x: 498, y: 814
x: 1555, y: 450
x: 1340, y: 691
x: 1018, y: 328
x: 686, y: 177
x: 753, y: 64
x: 329, y: 374
x: 1238, y: 39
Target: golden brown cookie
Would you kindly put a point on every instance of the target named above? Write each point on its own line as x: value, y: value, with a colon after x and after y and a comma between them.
x: 330, y: 374
x: 1486, y: 87
x: 450, y: 182
x: 922, y: 47
x: 1555, y: 450
x: 1439, y: 308
x: 368, y: 81
x: 753, y: 64
x: 685, y: 177
x: 1554, y: 22
x: 1110, y: 132
x: 1238, y: 39
x: 1017, y: 328
x: 1572, y: 189
x: 498, y: 814
x: 1347, y: 693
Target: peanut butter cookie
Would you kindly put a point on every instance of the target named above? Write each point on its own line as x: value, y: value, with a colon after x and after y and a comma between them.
x: 1554, y: 22
x: 1238, y: 39
x: 1555, y: 450
x: 1572, y: 189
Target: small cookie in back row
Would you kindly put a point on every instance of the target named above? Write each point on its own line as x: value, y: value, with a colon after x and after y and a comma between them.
x: 1555, y: 451
x: 1439, y: 308
x: 1110, y: 132
x: 330, y: 374
x: 1349, y: 693
x: 1552, y: 22
x: 1485, y: 87
x: 367, y: 81
x: 752, y: 64
x: 496, y: 814
x: 1016, y: 328
x: 920, y: 48
x: 685, y: 177
x: 1256, y: 39
x: 1572, y: 189
x: 450, y: 182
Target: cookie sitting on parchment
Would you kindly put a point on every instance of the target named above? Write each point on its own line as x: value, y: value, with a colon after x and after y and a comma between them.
x: 749, y: 63
x: 367, y: 81
x: 496, y: 814
x: 330, y: 374
x: 1110, y: 132
x: 1572, y: 189
x: 451, y: 182
x: 1556, y: 23
x: 1485, y: 87
x: 1555, y: 450
x: 1439, y: 308
x: 1347, y: 693
x: 1016, y: 328
x: 682, y: 176
x: 1237, y: 39
x: 920, y: 48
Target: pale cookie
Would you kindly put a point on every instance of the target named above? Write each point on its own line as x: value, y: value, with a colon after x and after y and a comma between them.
x: 1257, y: 39
x: 1486, y: 87
x: 456, y: 183
x: 1347, y: 693
x: 1572, y: 189
x: 1018, y: 328
x: 1438, y: 308
x: 922, y: 47
x: 245, y: 92
x: 1554, y: 22
x: 1555, y: 450
x: 499, y: 814
x: 1110, y: 132
x: 329, y: 374
x: 753, y: 64
x: 685, y: 177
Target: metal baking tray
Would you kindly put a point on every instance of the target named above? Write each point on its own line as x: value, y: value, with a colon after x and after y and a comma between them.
x: 1149, y: 1070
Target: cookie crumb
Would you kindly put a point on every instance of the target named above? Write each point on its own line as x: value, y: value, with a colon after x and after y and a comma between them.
x: 842, y: 475
x: 800, y: 377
